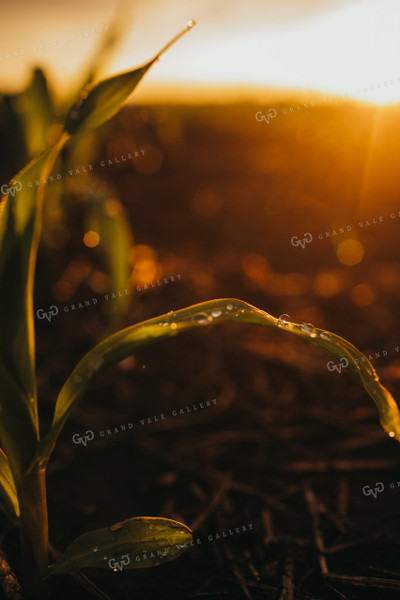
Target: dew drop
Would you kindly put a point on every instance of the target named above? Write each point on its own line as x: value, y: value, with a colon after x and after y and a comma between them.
x: 308, y: 328
x: 202, y: 319
x: 325, y: 335
x: 191, y: 23
x: 174, y: 325
x: 283, y: 320
x: 229, y: 307
x: 95, y: 363
x: 95, y: 549
x: 216, y: 313
x: 391, y: 433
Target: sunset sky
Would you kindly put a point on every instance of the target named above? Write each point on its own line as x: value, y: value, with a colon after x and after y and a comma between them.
x: 237, y: 49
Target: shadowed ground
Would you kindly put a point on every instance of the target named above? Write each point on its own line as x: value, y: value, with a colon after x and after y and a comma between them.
x: 289, y: 445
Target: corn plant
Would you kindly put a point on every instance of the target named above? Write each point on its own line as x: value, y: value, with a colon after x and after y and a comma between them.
x: 30, y: 120
x: 25, y: 455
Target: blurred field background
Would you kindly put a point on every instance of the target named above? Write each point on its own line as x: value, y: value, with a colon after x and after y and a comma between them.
x: 217, y: 197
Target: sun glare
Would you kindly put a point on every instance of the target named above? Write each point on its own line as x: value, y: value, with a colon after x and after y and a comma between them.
x: 350, y: 49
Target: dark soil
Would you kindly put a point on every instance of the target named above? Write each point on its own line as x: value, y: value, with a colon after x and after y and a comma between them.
x: 289, y: 446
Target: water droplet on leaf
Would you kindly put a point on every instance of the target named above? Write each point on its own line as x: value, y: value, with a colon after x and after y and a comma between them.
x: 308, y: 328
x: 95, y: 363
x: 283, y: 320
x: 202, y: 319
x: 325, y: 335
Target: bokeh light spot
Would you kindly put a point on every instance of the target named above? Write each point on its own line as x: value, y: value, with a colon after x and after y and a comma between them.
x: 295, y: 284
x: 257, y: 269
x: 146, y: 267
x: 327, y: 284
x: 112, y: 207
x: 62, y: 290
x: 350, y: 252
x: 99, y: 282
x: 91, y: 239
x: 362, y: 295
x: 150, y: 162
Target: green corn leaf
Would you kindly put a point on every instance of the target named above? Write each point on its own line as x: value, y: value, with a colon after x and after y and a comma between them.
x: 13, y: 152
x: 20, y: 226
x: 37, y: 113
x: 135, y: 543
x: 19, y: 231
x: 120, y: 345
x: 18, y: 423
x: 8, y: 492
x: 107, y: 216
x: 99, y: 102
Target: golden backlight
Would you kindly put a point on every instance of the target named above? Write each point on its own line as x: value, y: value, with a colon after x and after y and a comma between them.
x: 351, y: 49
x: 238, y: 50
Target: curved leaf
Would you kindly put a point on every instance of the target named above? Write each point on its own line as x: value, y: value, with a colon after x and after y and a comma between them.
x: 8, y: 492
x: 132, y: 544
x: 18, y: 425
x: 98, y: 103
x: 37, y: 113
x: 13, y: 152
x: 107, y: 216
x: 20, y: 228
x: 120, y: 345
x: 19, y: 234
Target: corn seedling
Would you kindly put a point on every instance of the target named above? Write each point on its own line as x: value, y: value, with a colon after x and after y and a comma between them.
x: 25, y: 455
x: 30, y: 120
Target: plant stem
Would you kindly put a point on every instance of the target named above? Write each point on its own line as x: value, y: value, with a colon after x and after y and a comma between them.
x: 34, y: 534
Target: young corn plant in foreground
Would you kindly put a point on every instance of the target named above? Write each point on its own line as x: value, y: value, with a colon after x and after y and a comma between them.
x: 30, y: 120
x: 25, y: 455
